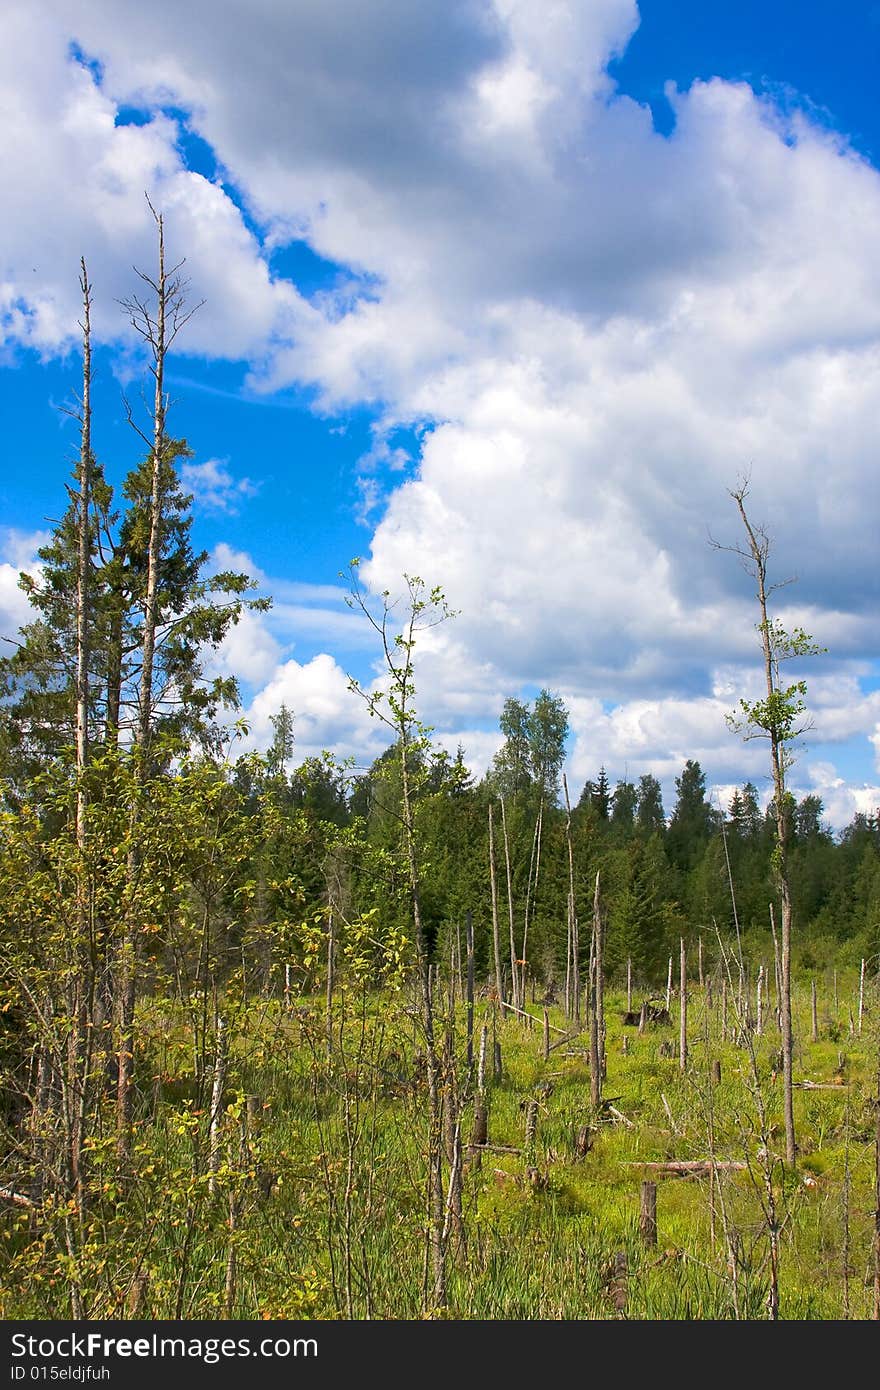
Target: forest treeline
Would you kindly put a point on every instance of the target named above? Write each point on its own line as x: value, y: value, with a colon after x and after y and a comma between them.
x: 297, y: 841
x: 105, y: 691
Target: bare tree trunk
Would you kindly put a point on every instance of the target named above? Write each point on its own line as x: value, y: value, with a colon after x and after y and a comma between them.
x: 331, y: 980
x: 535, y: 855
x: 514, y: 970
x: 877, y: 1197
x: 113, y: 694
x: 83, y: 567
x: 595, y: 1010
x: 481, y: 1059
x: 437, y: 1200
x: 777, y: 967
x: 861, y: 994
x: 217, y: 1087
x: 682, y: 1013
x: 599, y: 966
x: 574, y: 1002
x: 469, y: 929
x: 787, y: 1034
x: 739, y: 955
x: 158, y: 323
x: 648, y: 1214
x: 453, y: 1225
x: 759, y: 551
x: 154, y: 331
x: 83, y: 980
x: 496, y: 934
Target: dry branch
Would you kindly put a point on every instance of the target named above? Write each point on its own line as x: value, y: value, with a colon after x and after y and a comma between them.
x: 18, y: 1199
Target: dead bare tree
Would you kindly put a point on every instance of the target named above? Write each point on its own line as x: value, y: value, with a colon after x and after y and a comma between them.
x: 572, y: 973
x: 515, y: 991
x: 157, y: 318
x: 496, y: 935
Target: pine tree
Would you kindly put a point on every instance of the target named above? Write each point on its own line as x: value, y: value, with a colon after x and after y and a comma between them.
x: 692, y: 821
x: 623, y: 807
x: 650, y: 817
x: 596, y: 797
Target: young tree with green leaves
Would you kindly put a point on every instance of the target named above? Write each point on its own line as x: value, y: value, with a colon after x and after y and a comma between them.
x: 779, y: 718
x: 395, y: 707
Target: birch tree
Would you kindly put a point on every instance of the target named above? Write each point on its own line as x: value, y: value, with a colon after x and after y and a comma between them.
x: 779, y: 718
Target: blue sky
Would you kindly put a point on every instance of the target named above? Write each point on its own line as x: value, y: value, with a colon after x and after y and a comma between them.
x: 501, y: 292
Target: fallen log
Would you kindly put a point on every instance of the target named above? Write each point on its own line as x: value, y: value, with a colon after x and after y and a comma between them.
x: 523, y: 1013
x: 690, y: 1167
x: 619, y: 1116
x: 18, y: 1199
x: 820, y: 1085
x: 493, y: 1148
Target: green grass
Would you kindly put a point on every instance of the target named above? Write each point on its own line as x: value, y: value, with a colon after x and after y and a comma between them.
x: 326, y: 1224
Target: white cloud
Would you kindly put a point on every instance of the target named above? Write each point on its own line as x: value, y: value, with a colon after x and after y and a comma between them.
x: 75, y: 183
x: 841, y: 800
x: 15, y: 610
x: 603, y: 327
x: 248, y: 651
x: 214, y: 487
x: 18, y: 550
x: 327, y: 714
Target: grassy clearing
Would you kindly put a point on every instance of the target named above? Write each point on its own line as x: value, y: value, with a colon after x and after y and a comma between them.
x: 317, y: 1207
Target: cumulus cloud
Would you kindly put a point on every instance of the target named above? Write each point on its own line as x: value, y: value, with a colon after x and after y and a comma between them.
x: 601, y: 328
x: 18, y: 554
x: 327, y: 714
x: 841, y: 800
x: 75, y: 177
x: 214, y: 487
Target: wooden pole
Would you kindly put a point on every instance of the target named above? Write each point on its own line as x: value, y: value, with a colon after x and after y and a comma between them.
x: 814, y: 1033
x: 669, y: 985
x: 629, y: 984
